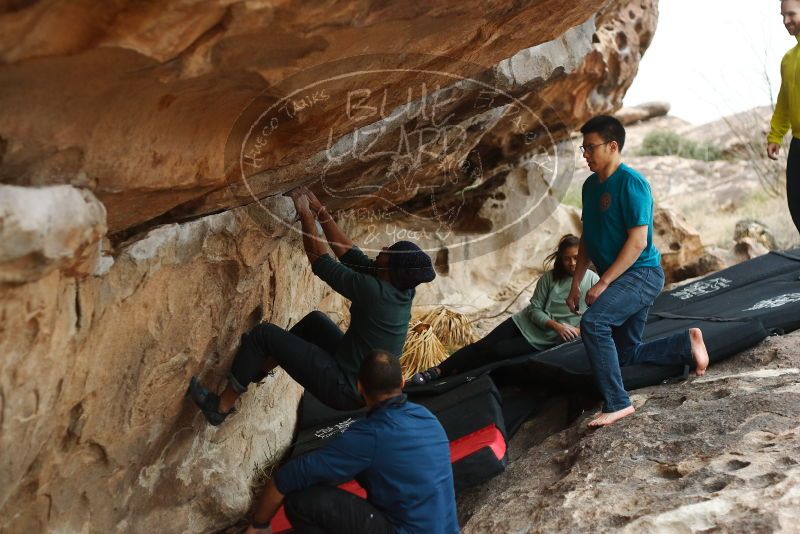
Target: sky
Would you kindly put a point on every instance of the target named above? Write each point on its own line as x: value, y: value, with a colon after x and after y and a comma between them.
x: 708, y: 58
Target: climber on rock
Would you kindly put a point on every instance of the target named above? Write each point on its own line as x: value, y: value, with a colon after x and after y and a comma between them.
x: 382, y: 452
x: 544, y: 323
x: 618, y: 238
x: 315, y: 352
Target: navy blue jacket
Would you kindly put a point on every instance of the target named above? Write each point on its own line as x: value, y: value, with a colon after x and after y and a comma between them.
x: 400, y: 454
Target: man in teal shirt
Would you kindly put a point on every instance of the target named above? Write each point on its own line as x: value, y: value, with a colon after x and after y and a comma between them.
x: 618, y: 238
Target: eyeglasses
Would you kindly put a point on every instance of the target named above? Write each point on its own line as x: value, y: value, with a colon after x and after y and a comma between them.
x: 588, y: 149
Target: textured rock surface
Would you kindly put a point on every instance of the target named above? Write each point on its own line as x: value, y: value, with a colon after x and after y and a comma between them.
x: 173, y: 81
x: 642, y: 112
x: 682, y: 252
x: 717, y: 453
x: 755, y: 230
x: 47, y: 229
x: 135, y: 102
x: 96, y: 434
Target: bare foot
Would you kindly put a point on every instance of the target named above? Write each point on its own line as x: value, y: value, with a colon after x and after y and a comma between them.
x: 699, y: 352
x: 605, y: 419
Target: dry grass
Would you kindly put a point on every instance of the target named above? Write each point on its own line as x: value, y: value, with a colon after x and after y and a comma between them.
x: 452, y: 328
x: 716, y: 225
x: 422, y: 351
x: 264, y: 470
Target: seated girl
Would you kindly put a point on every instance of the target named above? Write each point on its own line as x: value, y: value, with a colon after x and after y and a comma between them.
x: 544, y: 323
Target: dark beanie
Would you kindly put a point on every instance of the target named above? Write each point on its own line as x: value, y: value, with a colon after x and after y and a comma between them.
x: 409, y: 266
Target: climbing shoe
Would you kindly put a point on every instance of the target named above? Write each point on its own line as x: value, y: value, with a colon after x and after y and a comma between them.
x: 207, y: 402
x: 423, y: 377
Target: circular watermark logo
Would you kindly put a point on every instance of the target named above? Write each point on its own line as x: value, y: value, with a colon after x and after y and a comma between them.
x: 444, y: 153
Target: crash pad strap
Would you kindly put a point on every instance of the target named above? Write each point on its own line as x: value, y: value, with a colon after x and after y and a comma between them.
x: 712, y: 319
x: 786, y: 255
x: 488, y: 436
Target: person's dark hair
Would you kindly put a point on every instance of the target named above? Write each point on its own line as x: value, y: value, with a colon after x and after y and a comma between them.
x: 556, y: 258
x: 380, y: 374
x: 607, y: 127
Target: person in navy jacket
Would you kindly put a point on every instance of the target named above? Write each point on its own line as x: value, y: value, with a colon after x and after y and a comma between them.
x: 399, y: 453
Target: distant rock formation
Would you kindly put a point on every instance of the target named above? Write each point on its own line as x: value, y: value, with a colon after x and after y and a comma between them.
x: 642, y: 112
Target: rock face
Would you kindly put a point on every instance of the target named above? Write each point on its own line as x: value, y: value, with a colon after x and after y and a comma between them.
x: 47, y: 229
x: 123, y: 123
x: 157, y: 150
x: 713, y: 453
x: 96, y: 433
x: 755, y: 231
x: 642, y: 112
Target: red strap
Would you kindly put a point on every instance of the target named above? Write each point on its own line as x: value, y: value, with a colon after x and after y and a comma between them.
x: 488, y: 436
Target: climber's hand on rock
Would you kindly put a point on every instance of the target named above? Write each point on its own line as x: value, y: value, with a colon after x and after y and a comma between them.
x: 300, y: 202
x: 313, y: 201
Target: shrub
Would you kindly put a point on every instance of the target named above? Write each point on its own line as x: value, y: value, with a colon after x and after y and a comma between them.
x: 669, y: 143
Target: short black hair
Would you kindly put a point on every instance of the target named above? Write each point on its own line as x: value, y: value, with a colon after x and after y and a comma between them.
x: 607, y: 127
x: 380, y: 373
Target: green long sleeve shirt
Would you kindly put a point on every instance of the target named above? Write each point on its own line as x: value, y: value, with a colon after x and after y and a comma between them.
x: 379, y: 312
x: 549, y: 301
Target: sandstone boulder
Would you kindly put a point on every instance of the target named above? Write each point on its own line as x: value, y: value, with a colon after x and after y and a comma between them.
x: 178, y: 86
x: 141, y: 105
x: 47, y: 229
x: 683, y: 254
x: 96, y: 433
x: 642, y: 112
x: 755, y: 230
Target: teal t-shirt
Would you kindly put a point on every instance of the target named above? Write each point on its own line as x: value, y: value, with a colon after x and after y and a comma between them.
x: 610, y: 209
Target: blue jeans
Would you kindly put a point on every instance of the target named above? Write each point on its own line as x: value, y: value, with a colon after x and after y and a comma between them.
x: 612, y: 329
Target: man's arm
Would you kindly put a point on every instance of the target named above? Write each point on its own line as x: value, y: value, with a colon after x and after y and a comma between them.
x: 267, y: 507
x: 339, y: 461
x: 335, y: 463
x: 631, y: 250
x: 781, y: 120
x: 540, y: 315
x: 312, y: 243
x: 337, y: 239
x: 574, y: 298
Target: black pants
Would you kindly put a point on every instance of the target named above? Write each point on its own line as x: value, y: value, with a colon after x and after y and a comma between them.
x: 305, y: 352
x: 502, y: 343
x: 793, y: 181
x: 329, y: 510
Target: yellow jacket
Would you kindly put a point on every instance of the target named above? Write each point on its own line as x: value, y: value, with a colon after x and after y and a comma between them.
x: 787, y: 110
